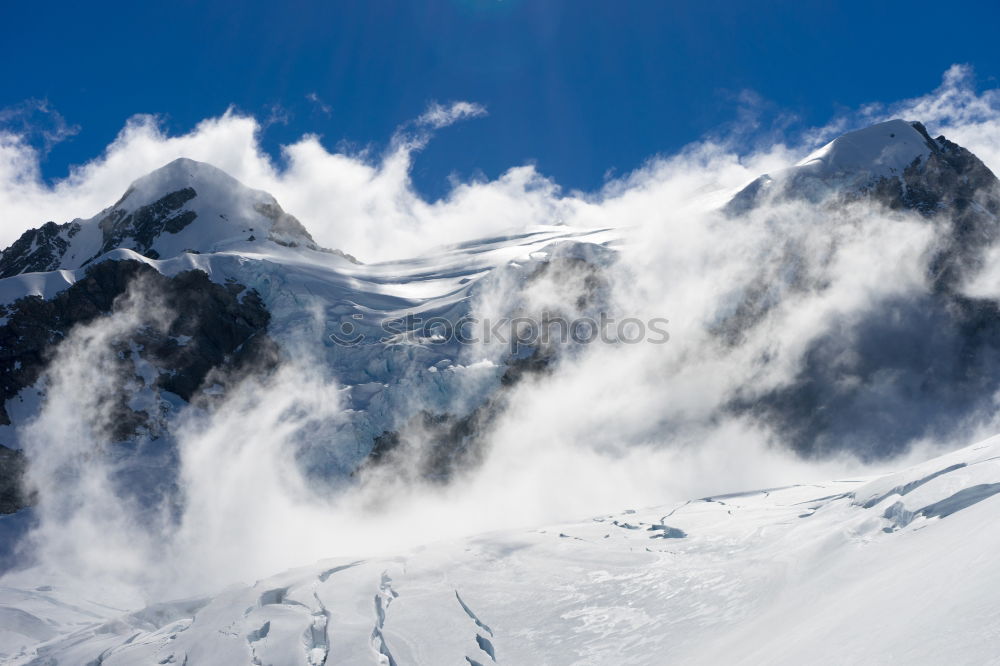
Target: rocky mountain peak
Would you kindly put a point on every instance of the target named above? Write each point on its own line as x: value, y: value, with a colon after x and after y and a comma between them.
x: 896, y: 162
x: 184, y: 206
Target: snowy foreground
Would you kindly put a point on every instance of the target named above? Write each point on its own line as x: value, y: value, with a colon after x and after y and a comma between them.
x: 898, y: 569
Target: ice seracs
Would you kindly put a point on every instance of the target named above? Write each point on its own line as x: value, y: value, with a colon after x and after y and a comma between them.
x: 192, y: 217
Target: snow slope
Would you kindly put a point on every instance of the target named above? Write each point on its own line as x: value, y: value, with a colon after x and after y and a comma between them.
x: 879, y: 150
x: 828, y: 573
x: 851, y: 163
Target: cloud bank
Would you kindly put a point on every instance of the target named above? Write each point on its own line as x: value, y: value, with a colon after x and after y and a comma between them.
x: 365, y: 203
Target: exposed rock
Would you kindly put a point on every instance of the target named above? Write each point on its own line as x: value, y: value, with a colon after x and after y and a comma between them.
x: 222, y: 326
x: 951, y: 187
x: 38, y: 249
x: 140, y: 229
x: 12, y: 496
x: 159, y: 214
x: 219, y: 334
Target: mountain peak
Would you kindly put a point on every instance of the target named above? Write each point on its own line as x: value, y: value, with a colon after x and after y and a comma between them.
x: 895, y: 162
x: 183, y: 191
x: 184, y: 206
x: 207, y: 180
x: 883, y: 149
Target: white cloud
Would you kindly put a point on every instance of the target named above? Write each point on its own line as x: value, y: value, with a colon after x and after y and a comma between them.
x: 365, y: 204
x: 36, y: 119
x: 438, y: 116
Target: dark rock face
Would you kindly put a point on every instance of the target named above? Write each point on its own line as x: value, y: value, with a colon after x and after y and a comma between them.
x: 952, y: 187
x: 951, y: 181
x: 12, y: 496
x: 42, y: 249
x: 216, y: 327
x: 952, y: 176
x: 145, y: 224
x: 219, y: 334
x: 913, y: 368
x: 38, y: 250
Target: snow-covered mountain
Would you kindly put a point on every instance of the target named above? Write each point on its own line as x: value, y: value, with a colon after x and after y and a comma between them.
x: 939, y: 342
x: 189, y: 217
x: 896, y: 161
x: 201, y: 286
x: 245, y: 284
x: 186, y: 206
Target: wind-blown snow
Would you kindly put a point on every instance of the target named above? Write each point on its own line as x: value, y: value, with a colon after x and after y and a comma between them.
x: 804, y: 574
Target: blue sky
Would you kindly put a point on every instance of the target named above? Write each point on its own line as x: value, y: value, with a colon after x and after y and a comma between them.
x: 579, y: 88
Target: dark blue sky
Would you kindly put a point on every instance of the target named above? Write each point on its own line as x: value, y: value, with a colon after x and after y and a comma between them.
x: 579, y: 87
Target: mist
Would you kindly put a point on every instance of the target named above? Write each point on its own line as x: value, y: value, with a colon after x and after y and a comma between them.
x: 609, y: 427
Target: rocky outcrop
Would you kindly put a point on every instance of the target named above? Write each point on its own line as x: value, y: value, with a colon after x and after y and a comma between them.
x: 13, y: 497
x: 215, y: 327
x: 138, y: 230
x: 951, y: 187
x: 209, y: 334
x: 38, y: 250
x: 939, y: 179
